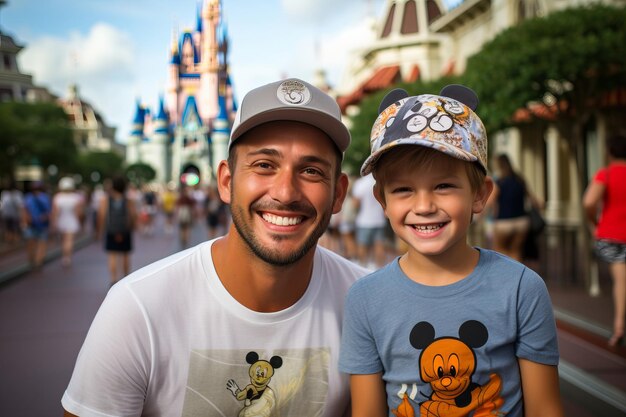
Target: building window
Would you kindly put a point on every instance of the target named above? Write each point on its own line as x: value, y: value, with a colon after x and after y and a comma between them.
x: 6, y: 94
x: 389, y: 22
x: 6, y: 59
x: 409, y: 19
x: 433, y: 11
x: 528, y: 9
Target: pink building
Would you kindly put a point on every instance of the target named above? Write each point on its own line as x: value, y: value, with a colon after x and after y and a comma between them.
x: 190, y: 128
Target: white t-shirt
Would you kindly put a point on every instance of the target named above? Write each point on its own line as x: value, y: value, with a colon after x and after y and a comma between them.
x: 169, y: 340
x: 370, y: 213
x: 67, y: 218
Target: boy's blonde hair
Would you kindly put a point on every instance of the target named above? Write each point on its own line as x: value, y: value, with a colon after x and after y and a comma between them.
x: 410, y: 155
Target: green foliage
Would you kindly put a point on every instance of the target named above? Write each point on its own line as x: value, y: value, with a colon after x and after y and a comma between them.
x: 362, y: 123
x: 35, y: 133
x: 140, y: 173
x: 571, y: 57
x: 106, y: 164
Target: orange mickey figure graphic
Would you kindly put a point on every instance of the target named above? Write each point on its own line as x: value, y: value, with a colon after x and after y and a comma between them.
x: 447, y: 364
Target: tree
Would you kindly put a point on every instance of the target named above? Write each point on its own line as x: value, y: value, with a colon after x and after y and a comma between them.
x: 105, y: 164
x: 35, y: 132
x: 563, y: 65
x: 140, y: 173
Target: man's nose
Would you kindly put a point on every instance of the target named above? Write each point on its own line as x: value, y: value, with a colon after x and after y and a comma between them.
x: 285, y: 187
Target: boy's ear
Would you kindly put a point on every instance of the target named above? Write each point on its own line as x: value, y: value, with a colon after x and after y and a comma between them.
x: 379, y: 195
x: 482, y: 195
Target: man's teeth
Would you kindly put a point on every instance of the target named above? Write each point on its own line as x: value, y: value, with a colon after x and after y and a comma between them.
x: 428, y: 227
x: 281, y: 221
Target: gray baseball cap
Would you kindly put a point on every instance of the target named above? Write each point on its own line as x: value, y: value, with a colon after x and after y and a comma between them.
x: 295, y: 100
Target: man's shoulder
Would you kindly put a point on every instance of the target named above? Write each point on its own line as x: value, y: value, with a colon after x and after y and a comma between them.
x: 333, y: 260
x: 170, y: 266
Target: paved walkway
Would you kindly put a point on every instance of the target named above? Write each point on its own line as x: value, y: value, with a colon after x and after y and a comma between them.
x: 44, y: 316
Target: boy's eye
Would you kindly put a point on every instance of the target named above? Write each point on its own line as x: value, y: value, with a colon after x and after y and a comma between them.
x: 400, y: 190
x: 444, y: 186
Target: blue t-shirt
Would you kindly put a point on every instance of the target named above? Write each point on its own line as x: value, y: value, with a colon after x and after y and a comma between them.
x: 38, y: 207
x: 453, y: 346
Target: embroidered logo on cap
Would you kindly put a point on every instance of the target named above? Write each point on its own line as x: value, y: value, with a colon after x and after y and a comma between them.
x: 293, y: 93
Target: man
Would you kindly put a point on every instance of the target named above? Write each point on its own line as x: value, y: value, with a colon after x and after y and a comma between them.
x: 248, y: 324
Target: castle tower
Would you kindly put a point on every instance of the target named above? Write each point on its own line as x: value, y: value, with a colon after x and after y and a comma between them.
x: 190, y: 129
x: 133, y: 153
x: 160, y: 143
x: 211, y: 15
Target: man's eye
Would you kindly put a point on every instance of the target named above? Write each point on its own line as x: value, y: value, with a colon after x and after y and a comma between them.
x: 312, y: 171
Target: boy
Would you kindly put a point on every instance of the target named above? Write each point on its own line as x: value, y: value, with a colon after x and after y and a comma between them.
x: 445, y: 329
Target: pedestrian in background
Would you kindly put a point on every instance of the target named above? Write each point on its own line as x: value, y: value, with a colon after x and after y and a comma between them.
x: 370, y: 223
x: 185, y: 214
x: 168, y: 205
x: 36, y: 223
x: 11, y: 204
x: 604, y: 202
x: 98, y: 194
x: 215, y: 212
x: 67, y: 211
x: 117, y: 217
x: 347, y: 223
x: 509, y: 201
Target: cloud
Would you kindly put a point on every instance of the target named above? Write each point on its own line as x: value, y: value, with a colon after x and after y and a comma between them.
x: 102, y: 63
x: 337, y: 49
x: 316, y: 10
x: 105, y: 54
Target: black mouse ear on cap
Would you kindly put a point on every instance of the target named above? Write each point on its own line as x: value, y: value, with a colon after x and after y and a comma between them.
x: 392, y: 97
x: 461, y: 93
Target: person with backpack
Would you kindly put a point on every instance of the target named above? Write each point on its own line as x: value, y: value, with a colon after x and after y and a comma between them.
x: 36, y: 223
x: 116, y: 220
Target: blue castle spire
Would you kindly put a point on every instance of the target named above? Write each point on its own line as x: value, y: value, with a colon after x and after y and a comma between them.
x: 138, y: 120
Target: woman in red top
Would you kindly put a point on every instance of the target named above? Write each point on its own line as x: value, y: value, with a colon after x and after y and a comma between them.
x: 607, y: 192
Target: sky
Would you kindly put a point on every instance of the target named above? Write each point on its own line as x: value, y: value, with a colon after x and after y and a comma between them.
x: 117, y: 51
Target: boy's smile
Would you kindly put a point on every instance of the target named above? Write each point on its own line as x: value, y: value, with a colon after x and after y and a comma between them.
x: 431, y: 207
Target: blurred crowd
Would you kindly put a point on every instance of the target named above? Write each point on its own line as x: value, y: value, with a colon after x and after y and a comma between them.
x: 33, y: 214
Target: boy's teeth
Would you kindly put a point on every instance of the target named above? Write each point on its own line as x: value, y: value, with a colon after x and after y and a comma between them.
x: 429, y: 227
x: 281, y: 221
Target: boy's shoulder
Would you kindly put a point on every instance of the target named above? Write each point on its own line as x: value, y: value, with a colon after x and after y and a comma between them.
x: 375, y: 279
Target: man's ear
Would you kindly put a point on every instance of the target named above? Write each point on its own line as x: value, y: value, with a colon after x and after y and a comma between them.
x: 482, y: 195
x: 224, y: 181
x: 341, y: 190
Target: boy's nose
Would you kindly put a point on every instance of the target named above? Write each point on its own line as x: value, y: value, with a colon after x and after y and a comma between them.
x: 423, y: 203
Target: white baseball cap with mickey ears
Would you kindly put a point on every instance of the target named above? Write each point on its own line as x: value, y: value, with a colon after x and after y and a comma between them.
x: 295, y: 100
x: 446, y: 122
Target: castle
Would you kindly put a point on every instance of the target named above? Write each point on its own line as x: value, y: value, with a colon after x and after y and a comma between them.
x: 189, y: 131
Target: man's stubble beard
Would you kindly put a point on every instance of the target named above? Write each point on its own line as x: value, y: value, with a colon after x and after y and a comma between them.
x: 266, y: 254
